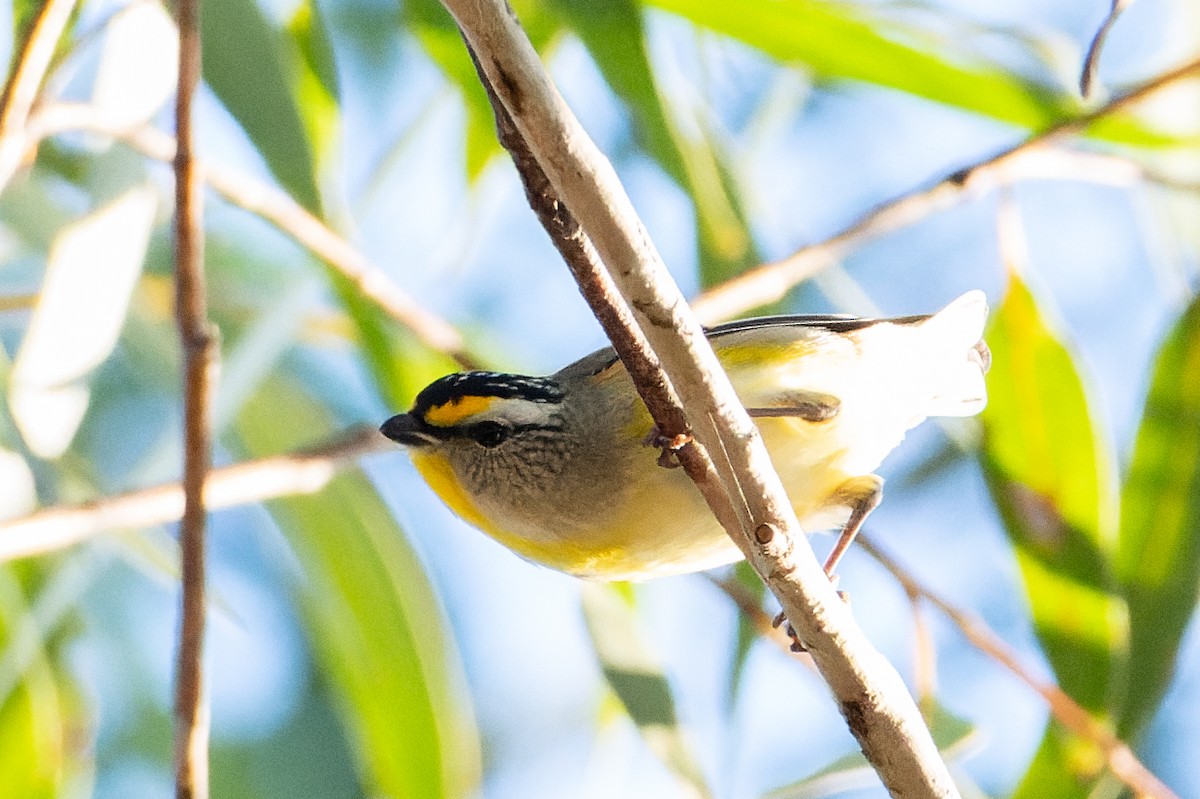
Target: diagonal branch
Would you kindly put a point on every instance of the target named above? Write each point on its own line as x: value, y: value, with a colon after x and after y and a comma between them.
x: 768, y: 283
x: 1122, y: 762
x: 305, y: 471
x: 284, y: 213
x: 1091, y: 61
x: 874, y: 700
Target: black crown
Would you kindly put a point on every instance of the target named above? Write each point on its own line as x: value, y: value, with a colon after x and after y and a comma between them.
x: 486, y: 384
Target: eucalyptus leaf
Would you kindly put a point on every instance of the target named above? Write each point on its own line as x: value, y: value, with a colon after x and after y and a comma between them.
x: 636, y: 677
x: 247, y: 67
x: 1051, y: 474
x: 1158, y: 557
x: 371, y: 615
x: 615, y: 36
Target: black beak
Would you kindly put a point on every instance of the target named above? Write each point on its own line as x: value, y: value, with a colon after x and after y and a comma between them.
x: 406, y: 429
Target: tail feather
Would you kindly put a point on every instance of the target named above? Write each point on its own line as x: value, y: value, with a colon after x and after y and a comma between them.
x: 956, y: 339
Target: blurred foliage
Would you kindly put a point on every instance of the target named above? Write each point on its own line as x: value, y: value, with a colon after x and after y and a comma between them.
x: 1108, y: 554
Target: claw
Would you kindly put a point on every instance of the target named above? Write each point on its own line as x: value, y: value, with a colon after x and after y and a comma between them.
x: 668, y: 458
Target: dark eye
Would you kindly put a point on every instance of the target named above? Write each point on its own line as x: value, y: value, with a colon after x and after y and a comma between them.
x: 489, y: 434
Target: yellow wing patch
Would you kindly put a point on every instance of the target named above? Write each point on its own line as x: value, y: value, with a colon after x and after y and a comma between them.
x: 451, y: 413
x: 756, y: 353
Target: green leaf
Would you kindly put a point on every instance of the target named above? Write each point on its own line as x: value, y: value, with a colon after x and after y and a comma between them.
x: 31, y: 738
x: 842, y: 41
x: 1065, y: 766
x: 246, y: 66
x: 23, y: 13
x: 616, y: 39
x: 1158, y: 557
x: 636, y: 677
x: 438, y: 34
x: 315, y: 81
x: 439, y: 37
x: 372, y: 616
x: 846, y: 41
x: 747, y: 633
x: 1051, y: 476
x: 32, y: 717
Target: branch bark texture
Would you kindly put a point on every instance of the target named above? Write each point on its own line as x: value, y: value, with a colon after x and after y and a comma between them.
x: 871, y: 695
x: 199, y: 360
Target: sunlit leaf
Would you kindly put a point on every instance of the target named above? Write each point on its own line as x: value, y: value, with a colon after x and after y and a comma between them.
x: 1158, y: 560
x: 615, y: 36
x: 92, y: 268
x: 139, y: 66
x: 1052, y: 478
x: 435, y: 29
x: 636, y: 677
x: 315, y: 81
x: 248, y: 69
x: 32, y: 745
x: 371, y: 615
x: 23, y: 12
x: 1065, y: 765
x: 747, y: 633
x: 840, y: 40
x: 31, y: 738
x: 19, y: 495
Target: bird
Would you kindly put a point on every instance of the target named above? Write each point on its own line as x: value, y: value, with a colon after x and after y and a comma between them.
x: 557, y: 468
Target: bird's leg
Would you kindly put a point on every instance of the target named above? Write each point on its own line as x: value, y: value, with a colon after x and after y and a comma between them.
x: 861, y: 495
x: 668, y: 457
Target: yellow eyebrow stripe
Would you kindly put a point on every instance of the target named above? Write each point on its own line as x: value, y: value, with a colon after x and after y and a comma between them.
x: 451, y: 413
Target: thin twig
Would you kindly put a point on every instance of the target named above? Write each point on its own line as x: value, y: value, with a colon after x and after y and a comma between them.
x: 924, y: 655
x: 285, y: 214
x: 1091, y: 61
x: 1121, y: 760
x: 762, y: 622
x: 769, y: 282
x: 872, y: 696
x: 21, y: 91
x: 197, y: 339
x: 304, y: 471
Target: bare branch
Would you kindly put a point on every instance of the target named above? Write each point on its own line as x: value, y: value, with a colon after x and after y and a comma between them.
x: 285, y: 214
x: 28, y: 71
x: 1091, y: 61
x: 305, y: 471
x: 872, y: 697
x: 769, y: 282
x: 763, y: 624
x: 198, y: 340
x: 1121, y: 760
